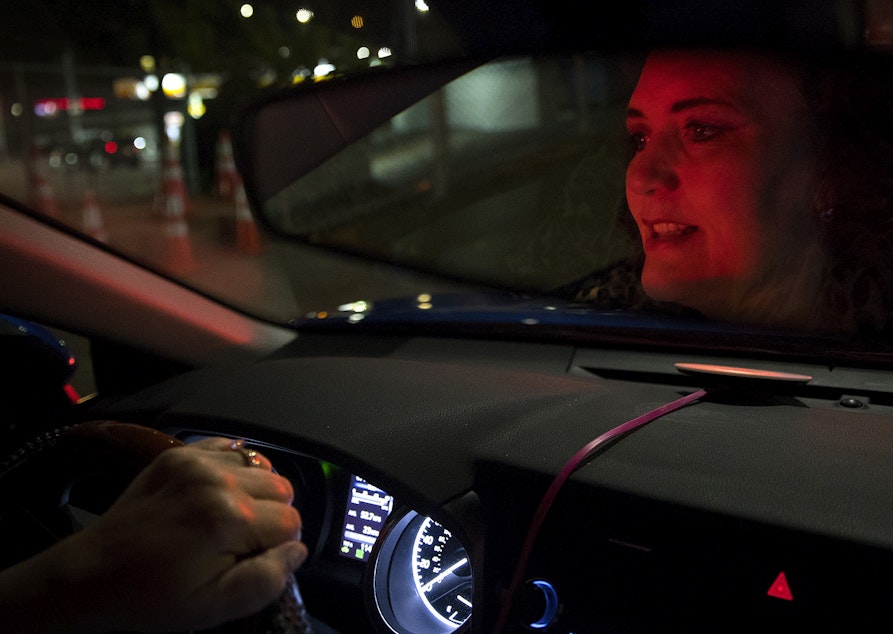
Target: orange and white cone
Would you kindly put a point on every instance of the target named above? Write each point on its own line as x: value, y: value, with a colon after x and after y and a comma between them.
x: 178, y: 256
x: 225, y: 185
x: 247, y: 235
x: 43, y: 198
x: 92, y: 222
x: 173, y: 187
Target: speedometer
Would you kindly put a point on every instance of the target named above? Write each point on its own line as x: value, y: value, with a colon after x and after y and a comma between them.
x: 422, y: 577
x: 442, y: 573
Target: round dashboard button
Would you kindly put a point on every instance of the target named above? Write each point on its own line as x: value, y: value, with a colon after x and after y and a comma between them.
x: 539, y: 604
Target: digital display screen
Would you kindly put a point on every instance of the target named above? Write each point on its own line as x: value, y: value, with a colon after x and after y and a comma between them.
x: 367, y: 509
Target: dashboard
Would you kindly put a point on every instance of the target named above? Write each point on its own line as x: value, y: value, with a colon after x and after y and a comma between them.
x: 420, y: 577
x: 421, y: 467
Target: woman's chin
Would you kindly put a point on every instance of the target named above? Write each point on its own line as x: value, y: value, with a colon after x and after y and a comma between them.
x: 670, y: 288
x: 705, y: 297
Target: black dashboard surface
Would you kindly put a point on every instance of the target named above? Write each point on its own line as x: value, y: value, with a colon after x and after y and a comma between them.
x: 701, y: 509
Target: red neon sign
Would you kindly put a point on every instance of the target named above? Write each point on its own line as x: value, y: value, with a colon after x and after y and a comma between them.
x: 48, y: 107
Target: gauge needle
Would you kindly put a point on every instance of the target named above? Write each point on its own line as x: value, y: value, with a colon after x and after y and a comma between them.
x: 428, y: 586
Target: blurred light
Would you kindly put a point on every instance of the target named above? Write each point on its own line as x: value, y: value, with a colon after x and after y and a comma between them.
x: 151, y: 82
x: 299, y: 75
x: 357, y: 22
x: 355, y: 307
x: 49, y: 107
x: 355, y: 318
x: 16, y: 109
x: 71, y: 158
x: 147, y: 63
x: 246, y: 10
x: 323, y: 68
x: 45, y: 108
x: 173, y: 121
x: 207, y: 85
x: 363, y: 52
x: 421, y: 6
x: 383, y: 52
x: 424, y: 298
x: 196, y: 106
x: 304, y: 16
x: 139, y: 143
x: 131, y: 88
x: 284, y: 52
x: 110, y: 147
x: 173, y: 85
x: 425, y: 306
x: 266, y: 78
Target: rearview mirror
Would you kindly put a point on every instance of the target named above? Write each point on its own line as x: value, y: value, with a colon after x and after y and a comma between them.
x: 285, y: 136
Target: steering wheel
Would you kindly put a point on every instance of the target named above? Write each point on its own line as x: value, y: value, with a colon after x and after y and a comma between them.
x: 40, y: 482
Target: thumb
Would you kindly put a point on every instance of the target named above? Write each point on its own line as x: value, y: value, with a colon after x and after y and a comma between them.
x: 256, y: 581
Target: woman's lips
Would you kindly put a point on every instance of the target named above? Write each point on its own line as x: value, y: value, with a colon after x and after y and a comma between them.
x: 671, y: 230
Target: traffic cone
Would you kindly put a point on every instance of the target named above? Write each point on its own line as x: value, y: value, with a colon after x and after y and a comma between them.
x: 91, y: 215
x: 225, y: 185
x: 178, y: 256
x: 173, y: 187
x: 43, y: 198
x: 247, y: 235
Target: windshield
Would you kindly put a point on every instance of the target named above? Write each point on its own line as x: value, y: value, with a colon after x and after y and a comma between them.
x: 116, y: 121
x: 743, y: 187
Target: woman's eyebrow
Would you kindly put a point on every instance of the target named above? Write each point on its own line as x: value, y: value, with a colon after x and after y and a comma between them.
x: 685, y: 104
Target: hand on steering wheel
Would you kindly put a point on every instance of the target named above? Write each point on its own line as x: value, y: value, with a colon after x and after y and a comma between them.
x: 203, y: 535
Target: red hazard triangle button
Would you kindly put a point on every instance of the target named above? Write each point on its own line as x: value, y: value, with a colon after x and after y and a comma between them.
x: 780, y: 588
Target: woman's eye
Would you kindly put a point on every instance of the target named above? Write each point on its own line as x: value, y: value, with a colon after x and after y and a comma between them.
x: 700, y: 132
x: 637, y: 142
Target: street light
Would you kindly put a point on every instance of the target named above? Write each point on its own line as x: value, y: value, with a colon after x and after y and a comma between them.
x: 173, y: 85
x: 323, y: 68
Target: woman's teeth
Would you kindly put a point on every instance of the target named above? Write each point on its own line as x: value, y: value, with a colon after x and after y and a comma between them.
x: 671, y: 229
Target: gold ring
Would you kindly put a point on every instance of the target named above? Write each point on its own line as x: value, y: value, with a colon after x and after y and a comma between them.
x: 250, y: 455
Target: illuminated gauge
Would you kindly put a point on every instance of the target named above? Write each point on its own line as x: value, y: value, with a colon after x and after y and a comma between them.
x: 421, y: 577
x: 442, y: 573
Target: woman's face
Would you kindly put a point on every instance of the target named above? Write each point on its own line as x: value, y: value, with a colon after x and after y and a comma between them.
x: 721, y: 186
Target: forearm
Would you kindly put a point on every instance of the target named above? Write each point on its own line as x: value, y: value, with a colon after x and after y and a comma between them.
x: 54, y: 591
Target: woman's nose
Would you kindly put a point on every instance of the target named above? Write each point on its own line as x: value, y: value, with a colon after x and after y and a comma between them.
x: 653, y: 168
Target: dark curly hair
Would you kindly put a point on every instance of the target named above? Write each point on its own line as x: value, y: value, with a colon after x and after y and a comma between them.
x: 851, y: 101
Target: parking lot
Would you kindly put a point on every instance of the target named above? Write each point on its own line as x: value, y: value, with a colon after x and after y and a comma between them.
x: 204, y: 247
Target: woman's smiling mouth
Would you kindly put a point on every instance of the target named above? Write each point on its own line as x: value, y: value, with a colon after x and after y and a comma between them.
x: 669, y: 230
